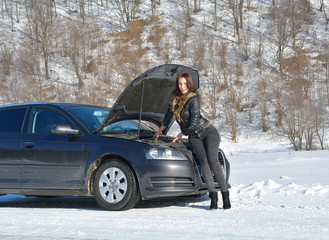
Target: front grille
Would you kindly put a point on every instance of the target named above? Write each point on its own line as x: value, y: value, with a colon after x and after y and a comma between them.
x: 221, y: 158
x: 171, y: 182
x: 198, y: 163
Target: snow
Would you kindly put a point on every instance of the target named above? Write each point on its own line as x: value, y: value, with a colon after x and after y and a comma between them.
x: 277, y: 194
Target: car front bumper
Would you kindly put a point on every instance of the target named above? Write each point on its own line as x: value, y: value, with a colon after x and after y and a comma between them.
x: 165, y: 178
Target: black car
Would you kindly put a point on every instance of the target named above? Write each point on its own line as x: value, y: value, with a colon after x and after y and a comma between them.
x: 49, y: 149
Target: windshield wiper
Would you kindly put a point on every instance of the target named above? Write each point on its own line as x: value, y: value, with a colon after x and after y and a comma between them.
x: 110, y: 131
x: 139, y: 130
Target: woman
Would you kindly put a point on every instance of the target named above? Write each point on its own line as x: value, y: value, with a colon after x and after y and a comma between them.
x: 203, y: 137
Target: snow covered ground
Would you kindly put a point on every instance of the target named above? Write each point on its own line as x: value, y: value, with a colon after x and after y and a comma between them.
x: 275, y: 194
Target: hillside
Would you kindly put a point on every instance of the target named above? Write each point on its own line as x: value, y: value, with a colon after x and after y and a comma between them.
x: 264, y: 64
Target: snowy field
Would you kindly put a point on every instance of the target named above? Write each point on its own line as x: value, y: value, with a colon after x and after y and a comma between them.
x: 275, y: 194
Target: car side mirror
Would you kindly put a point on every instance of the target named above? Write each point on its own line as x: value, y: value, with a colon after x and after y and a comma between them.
x: 64, y: 129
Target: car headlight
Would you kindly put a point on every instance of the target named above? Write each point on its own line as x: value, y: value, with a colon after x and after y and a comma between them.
x: 164, y: 154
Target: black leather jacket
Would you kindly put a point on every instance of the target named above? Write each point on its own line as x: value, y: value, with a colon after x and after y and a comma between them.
x: 192, y: 120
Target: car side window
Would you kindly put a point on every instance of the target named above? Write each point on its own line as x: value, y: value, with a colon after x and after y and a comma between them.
x: 43, y: 119
x: 11, y: 120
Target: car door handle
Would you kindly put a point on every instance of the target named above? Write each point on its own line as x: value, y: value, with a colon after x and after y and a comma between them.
x: 28, y: 144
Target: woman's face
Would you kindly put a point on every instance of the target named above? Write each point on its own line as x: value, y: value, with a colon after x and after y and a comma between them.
x: 182, y: 84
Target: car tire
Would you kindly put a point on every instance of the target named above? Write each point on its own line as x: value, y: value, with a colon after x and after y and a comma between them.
x: 115, y: 186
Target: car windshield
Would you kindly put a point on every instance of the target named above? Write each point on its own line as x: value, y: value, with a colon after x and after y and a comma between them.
x: 127, y: 125
x: 90, y: 117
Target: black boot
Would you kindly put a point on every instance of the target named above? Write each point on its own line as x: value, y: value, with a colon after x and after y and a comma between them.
x: 214, y: 199
x: 226, y: 200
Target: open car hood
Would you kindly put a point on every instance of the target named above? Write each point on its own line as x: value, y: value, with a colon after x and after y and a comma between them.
x: 147, y: 96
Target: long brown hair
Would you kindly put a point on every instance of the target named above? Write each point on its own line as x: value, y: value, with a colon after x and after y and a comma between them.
x: 189, y: 82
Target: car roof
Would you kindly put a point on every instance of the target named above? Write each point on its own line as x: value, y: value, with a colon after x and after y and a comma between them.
x: 61, y: 105
x: 21, y: 104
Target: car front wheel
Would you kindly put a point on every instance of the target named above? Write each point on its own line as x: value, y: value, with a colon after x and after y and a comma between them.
x: 115, y: 186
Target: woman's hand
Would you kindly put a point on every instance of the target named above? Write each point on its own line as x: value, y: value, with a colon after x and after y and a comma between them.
x: 156, y: 136
x: 178, y: 138
x: 158, y: 133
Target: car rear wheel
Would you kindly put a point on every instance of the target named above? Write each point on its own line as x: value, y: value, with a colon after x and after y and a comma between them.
x: 115, y: 186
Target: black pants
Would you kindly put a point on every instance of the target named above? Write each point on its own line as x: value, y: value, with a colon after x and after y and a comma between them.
x: 205, y: 146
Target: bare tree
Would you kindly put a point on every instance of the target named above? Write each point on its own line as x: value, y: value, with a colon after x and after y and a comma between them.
x: 180, y: 37
x: 233, y: 94
x: 131, y: 61
x: 197, y: 5
x: 218, y: 72
x: 74, y: 44
x: 186, y: 6
x: 153, y: 6
x: 280, y: 26
x: 294, y: 128
x: 259, y: 52
x: 9, y: 6
x: 164, y: 49
x: 310, y: 114
x: 245, y: 45
x: 289, y: 18
x: 307, y: 4
x: 215, y: 15
x: 231, y: 114
x: 297, y: 123
x: 211, y: 60
x: 198, y: 49
x: 6, y: 59
x: 326, y: 68
x: 249, y: 98
x: 249, y: 7
x: 277, y: 84
x: 323, y: 8
x: 236, y: 8
x: 263, y: 102
x: 41, y: 27
x: 320, y: 120
x: 29, y: 82
x: 301, y: 101
x: 126, y: 11
x: 300, y: 17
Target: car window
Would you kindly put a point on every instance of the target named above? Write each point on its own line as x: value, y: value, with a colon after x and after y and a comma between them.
x: 90, y: 117
x: 11, y: 120
x: 43, y: 119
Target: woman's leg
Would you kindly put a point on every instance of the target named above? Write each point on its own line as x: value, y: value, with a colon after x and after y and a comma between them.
x: 211, y: 145
x: 199, y: 150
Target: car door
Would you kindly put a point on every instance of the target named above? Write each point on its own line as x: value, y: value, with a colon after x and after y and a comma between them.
x: 50, y: 161
x: 11, y: 123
